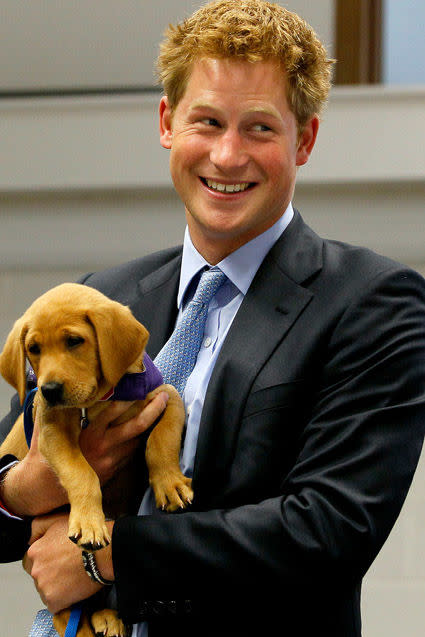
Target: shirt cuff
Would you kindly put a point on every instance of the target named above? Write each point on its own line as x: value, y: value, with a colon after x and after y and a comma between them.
x: 5, y: 464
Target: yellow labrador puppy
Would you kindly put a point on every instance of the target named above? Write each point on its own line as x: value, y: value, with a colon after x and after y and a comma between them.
x: 81, y: 346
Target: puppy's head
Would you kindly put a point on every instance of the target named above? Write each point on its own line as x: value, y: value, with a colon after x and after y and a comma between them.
x: 78, y: 342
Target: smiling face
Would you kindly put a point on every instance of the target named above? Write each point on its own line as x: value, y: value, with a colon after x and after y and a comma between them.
x: 234, y: 152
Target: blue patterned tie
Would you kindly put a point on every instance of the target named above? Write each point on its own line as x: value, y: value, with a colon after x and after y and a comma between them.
x: 43, y: 625
x: 177, y: 358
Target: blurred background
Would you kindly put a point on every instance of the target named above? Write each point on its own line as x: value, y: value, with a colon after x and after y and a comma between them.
x: 84, y: 184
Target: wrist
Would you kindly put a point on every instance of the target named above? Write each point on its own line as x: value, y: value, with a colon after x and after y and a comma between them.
x: 6, y: 463
x: 104, y: 558
x: 9, y: 490
x: 92, y: 569
x: 31, y: 489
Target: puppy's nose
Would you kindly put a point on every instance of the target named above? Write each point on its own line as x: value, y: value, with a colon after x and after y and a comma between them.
x: 52, y: 392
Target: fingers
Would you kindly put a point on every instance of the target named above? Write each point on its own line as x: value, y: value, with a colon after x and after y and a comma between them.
x: 55, y: 564
x: 108, y: 448
x: 140, y: 423
x: 27, y: 563
x: 113, y: 411
x: 117, y: 408
x: 42, y: 523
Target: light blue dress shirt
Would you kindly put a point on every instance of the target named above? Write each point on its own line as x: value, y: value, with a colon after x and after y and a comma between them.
x: 240, y: 268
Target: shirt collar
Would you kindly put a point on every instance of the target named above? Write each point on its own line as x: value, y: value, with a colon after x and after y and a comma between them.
x: 241, y: 265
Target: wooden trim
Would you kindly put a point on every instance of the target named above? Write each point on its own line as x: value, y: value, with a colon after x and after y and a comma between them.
x: 358, y: 41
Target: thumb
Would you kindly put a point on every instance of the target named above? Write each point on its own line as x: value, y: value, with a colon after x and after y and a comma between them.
x: 41, y: 524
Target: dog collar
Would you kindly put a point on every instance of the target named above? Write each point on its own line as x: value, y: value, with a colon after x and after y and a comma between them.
x: 130, y: 387
x: 138, y: 385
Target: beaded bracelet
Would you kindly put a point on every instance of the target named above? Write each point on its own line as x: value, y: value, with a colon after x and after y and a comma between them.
x: 90, y: 566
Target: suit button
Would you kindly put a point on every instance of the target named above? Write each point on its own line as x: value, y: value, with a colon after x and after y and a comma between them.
x: 143, y: 612
x: 158, y: 608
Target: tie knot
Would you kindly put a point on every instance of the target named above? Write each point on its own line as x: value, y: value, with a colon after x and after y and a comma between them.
x: 177, y: 358
x: 208, y: 285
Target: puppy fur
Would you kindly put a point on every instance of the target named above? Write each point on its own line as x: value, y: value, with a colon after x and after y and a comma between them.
x: 81, y: 343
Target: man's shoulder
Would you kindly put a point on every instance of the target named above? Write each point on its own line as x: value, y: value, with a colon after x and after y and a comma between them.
x: 356, y: 259
x: 329, y: 264
x: 357, y: 275
x: 118, y: 282
x: 305, y: 256
x: 363, y: 264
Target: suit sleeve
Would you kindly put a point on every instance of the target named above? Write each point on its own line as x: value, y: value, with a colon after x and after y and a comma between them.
x: 338, y: 502
x: 7, y: 422
x: 14, y: 532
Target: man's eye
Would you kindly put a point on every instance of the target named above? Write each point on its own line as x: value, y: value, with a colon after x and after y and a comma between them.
x: 34, y: 349
x: 74, y: 341
x: 261, y: 128
x: 210, y: 121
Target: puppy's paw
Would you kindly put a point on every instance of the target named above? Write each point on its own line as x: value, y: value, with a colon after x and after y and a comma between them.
x: 172, y: 492
x: 90, y: 535
x: 107, y: 623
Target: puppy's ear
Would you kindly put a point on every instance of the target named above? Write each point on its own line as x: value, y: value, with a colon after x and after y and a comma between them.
x: 12, y: 358
x: 121, y: 338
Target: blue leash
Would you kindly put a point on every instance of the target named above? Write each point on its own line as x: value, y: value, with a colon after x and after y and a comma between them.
x: 75, y: 616
x: 73, y: 621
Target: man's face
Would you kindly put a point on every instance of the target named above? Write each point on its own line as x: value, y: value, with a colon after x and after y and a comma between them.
x: 234, y: 152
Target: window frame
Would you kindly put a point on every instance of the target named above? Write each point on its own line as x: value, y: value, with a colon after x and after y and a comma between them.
x: 358, y: 47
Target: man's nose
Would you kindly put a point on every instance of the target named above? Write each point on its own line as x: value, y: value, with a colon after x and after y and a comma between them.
x: 229, y: 151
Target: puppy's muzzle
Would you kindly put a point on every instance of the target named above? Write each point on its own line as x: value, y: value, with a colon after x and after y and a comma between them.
x: 52, y: 392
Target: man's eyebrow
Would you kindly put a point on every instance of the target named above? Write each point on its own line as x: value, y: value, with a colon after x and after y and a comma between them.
x: 265, y: 110
x: 201, y: 104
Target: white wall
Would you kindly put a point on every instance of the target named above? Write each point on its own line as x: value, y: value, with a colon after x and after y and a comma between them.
x: 84, y: 184
x: 99, y: 44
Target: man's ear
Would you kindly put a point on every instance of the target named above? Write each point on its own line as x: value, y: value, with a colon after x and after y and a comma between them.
x: 307, y: 140
x: 165, y: 126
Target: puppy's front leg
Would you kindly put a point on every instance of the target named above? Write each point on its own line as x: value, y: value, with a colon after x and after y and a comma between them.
x: 59, y: 444
x: 172, y: 489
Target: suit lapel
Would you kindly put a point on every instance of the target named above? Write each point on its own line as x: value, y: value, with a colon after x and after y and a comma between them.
x: 156, y: 302
x: 272, y: 305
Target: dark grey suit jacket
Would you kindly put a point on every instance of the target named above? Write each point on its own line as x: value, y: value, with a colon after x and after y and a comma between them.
x: 310, y: 434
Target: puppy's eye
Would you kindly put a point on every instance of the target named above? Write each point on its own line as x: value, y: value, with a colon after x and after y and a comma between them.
x: 34, y: 349
x: 74, y: 341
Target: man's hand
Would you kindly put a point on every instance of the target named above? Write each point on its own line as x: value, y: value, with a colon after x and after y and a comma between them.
x: 107, y: 448
x: 55, y: 563
x: 31, y: 488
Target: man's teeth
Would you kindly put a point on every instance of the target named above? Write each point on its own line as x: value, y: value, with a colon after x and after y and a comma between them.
x: 226, y: 187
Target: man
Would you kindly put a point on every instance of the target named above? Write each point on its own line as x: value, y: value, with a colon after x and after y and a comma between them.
x: 306, y: 405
